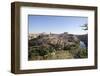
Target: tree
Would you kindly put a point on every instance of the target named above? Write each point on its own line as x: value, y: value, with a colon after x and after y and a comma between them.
x: 43, y: 50
x: 82, y: 53
x: 85, y: 27
x: 51, y: 49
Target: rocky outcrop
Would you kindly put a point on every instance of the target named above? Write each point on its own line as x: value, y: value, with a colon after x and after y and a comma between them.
x: 56, y: 46
x: 61, y: 40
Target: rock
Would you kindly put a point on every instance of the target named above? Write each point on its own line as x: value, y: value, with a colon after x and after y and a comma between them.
x: 54, y: 39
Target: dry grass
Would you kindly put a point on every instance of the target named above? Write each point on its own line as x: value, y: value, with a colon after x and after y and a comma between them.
x: 54, y: 55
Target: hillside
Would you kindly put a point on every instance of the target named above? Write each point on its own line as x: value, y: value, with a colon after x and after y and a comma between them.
x: 55, y: 46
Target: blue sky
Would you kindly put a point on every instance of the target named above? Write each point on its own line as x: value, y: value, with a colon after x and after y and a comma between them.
x: 56, y: 24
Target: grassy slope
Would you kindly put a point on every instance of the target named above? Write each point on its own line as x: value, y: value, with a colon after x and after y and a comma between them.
x: 54, y: 55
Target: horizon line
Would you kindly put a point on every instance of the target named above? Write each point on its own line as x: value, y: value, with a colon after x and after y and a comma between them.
x: 56, y: 33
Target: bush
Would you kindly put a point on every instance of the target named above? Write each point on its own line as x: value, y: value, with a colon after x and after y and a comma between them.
x: 51, y: 49
x: 33, y: 51
x: 68, y: 47
x: 82, y: 53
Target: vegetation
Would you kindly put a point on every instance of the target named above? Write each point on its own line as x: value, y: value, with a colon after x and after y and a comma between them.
x: 53, y: 46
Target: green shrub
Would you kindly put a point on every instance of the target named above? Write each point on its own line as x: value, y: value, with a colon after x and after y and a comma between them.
x: 83, y: 53
x: 51, y: 49
x: 67, y: 47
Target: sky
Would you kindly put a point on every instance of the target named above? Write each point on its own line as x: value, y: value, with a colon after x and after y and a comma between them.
x: 56, y: 24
